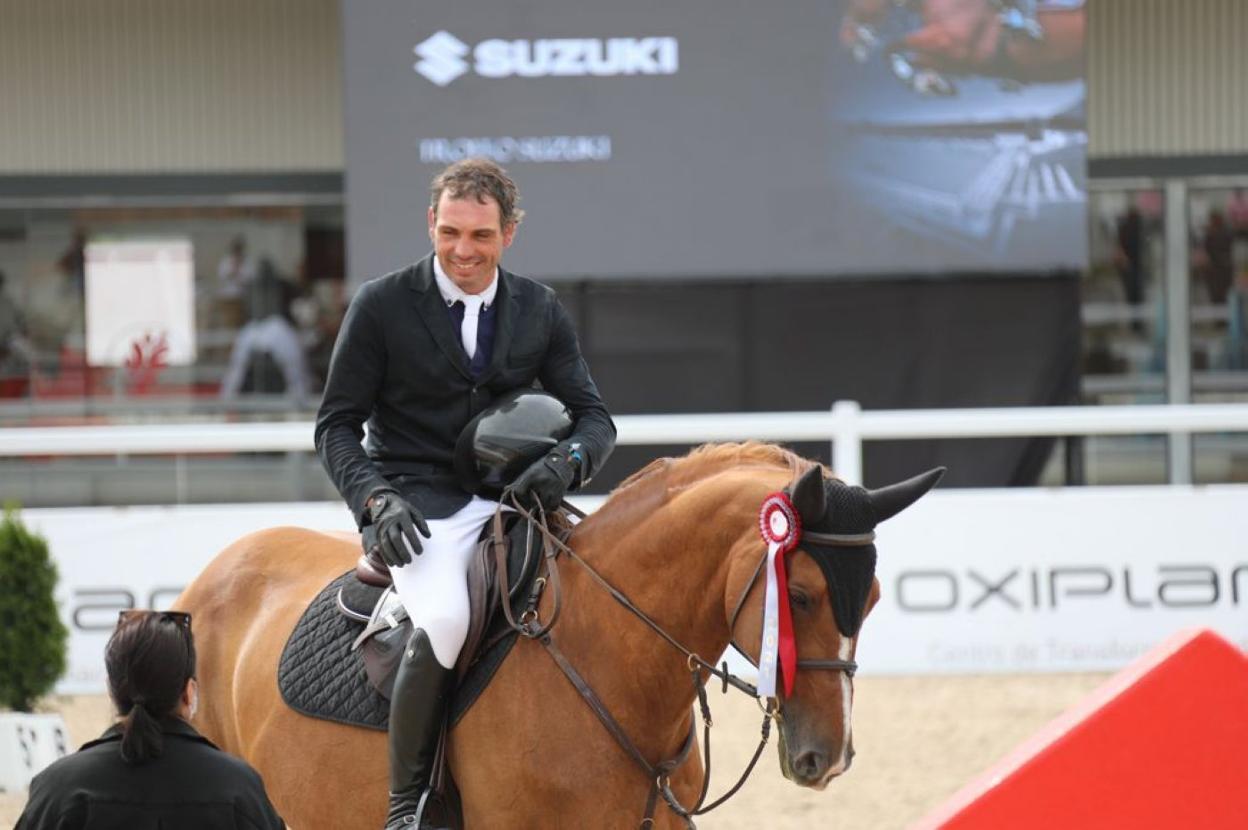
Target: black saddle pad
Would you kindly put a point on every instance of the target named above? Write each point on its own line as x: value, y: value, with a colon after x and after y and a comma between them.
x: 320, y: 676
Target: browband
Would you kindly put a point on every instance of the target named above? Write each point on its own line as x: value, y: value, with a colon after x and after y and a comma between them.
x: 845, y: 540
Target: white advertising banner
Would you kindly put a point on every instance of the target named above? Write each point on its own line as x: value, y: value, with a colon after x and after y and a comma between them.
x: 142, y: 557
x: 1077, y: 579
x: 140, y: 304
x: 1080, y: 579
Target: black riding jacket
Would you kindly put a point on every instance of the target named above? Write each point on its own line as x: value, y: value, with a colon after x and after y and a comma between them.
x: 399, y: 365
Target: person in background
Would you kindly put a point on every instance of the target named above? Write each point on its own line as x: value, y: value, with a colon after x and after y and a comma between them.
x: 72, y: 295
x: 1218, y: 265
x: 1237, y: 323
x: 269, y: 330
x: 1129, y: 259
x: 151, y: 769
x: 73, y: 263
x: 1237, y: 212
x: 234, y: 272
x: 16, y: 351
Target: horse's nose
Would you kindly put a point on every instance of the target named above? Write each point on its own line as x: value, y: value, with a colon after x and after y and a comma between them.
x: 811, y: 766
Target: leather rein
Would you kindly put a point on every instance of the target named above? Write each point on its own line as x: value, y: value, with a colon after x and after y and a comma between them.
x: 530, y: 627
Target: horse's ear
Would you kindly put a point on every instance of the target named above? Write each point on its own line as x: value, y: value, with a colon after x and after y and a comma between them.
x: 808, y: 497
x: 891, y: 500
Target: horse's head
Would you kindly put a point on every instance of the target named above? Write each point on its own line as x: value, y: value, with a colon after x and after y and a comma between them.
x: 831, y: 588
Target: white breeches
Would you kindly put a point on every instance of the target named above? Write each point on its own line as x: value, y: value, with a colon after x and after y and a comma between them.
x: 434, y: 587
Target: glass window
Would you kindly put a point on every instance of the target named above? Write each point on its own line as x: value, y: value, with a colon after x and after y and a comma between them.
x: 1218, y: 229
x: 1124, y: 353
x: 1218, y: 234
x: 224, y: 312
x: 262, y: 302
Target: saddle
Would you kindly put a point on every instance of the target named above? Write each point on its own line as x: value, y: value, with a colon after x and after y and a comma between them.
x: 503, y: 591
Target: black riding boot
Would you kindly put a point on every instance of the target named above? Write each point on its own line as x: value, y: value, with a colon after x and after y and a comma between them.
x: 421, y: 690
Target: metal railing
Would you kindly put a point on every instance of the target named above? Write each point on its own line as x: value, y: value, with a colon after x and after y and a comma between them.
x: 846, y: 425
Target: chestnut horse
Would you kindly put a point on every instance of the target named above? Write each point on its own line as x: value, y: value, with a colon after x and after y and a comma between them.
x: 680, y: 539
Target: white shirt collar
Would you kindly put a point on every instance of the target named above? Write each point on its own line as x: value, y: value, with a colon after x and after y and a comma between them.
x: 452, y: 292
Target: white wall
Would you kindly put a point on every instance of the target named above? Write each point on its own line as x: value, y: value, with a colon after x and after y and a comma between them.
x: 974, y: 581
x: 170, y: 86
x: 1167, y: 77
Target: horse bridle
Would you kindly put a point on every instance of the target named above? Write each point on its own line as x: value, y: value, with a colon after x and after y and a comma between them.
x: 843, y: 540
x: 659, y: 774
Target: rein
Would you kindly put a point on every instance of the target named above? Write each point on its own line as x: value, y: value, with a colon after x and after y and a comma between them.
x: 659, y: 774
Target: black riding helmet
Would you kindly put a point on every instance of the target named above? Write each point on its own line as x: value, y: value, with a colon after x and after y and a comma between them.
x: 509, y: 435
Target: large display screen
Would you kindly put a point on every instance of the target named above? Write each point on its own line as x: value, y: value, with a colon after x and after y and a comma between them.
x: 714, y: 138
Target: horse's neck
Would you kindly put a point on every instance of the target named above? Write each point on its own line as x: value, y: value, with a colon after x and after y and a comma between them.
x: 670, y: 558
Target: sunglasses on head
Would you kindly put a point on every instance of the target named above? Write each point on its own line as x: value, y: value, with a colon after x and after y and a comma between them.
x: 180, y: 618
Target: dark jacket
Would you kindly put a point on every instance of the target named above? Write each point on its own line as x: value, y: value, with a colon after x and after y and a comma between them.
x: 399, y: 365
x: 191, y: 786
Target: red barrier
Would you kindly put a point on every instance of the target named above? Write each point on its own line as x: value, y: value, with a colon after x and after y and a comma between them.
x: 1164, y: 743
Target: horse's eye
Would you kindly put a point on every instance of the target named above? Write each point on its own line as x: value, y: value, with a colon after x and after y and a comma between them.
x: 799, y: 601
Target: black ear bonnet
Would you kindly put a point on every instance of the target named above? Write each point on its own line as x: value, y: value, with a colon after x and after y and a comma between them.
x: 850, y: 511
x: 848, y: 570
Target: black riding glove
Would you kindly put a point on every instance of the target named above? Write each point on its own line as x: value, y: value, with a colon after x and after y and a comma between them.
x: 396, y: 522
x: 548, y: 479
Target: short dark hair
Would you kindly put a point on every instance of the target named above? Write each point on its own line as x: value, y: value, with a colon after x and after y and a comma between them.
x: 479, y: 178
x: 149, y: 658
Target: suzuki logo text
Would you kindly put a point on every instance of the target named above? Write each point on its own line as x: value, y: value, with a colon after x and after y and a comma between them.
x: 443, y: 57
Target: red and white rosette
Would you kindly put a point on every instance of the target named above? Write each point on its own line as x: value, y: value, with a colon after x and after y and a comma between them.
x: 781, y: 529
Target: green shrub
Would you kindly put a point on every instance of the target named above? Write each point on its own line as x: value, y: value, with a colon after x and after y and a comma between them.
x: 32, y: 637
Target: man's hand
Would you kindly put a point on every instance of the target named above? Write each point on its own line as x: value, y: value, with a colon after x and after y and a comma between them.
x: 547, y: 480
x: 396, y: 522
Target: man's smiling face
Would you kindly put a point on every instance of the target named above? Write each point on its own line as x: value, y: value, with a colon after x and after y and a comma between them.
x: 469, y: 240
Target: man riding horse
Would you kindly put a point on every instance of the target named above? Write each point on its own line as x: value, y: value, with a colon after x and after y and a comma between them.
x: 422, y: 352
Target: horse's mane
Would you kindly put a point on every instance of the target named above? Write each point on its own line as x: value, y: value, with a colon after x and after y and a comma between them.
x: 708, y: 459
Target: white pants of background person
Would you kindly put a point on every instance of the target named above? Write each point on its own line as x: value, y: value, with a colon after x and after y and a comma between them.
x: 434, y: 586
x: 275, y: 335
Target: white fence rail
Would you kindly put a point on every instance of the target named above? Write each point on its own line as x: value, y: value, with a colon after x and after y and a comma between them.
x: 846, y: 425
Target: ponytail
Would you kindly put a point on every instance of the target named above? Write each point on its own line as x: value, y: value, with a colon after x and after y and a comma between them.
x: 141, y: 739
x: 149, y: 659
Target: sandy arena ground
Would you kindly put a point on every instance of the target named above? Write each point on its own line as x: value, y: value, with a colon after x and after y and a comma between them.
x: 918, y: 740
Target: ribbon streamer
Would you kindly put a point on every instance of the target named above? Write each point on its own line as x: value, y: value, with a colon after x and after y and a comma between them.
x: 771, y: 628
x: 781, y: 529
x: 788, y: 644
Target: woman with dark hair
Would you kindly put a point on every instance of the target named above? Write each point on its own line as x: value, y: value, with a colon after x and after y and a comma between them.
x: 151, y: 769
